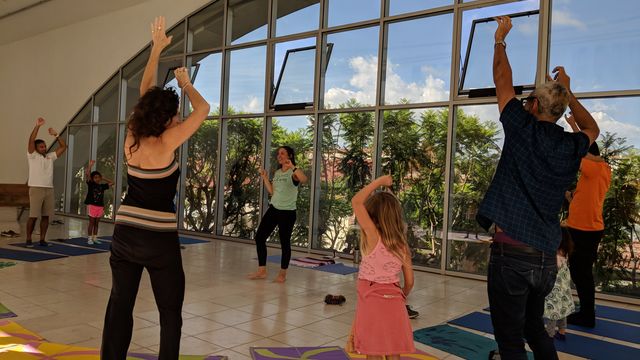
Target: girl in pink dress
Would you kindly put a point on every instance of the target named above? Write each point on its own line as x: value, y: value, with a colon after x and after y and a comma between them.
x: 381, y: 328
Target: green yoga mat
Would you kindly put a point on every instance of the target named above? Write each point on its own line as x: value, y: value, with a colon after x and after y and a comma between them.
x: 6, y: 313
x: 4, y: 264
x: 452, y: 340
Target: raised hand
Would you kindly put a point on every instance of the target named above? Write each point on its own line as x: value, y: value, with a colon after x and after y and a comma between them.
x: 560, y: 75
x: 91, y: 163
x: 504, y: 26
x: 40, y: 121
x: 182, y: 76
x: 385, y: 180
x: 263, y: 173
x: 52, y: 132
x: 158, y: 35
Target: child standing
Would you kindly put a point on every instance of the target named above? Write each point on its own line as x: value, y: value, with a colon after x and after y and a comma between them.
x: 95, y: 201
x: 559, y: 303
x: 381, y: 328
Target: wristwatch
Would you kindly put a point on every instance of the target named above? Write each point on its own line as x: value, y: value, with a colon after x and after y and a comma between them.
x: 501, y: 42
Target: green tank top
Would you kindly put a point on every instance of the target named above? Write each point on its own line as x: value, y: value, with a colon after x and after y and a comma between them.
x: 285, y: 192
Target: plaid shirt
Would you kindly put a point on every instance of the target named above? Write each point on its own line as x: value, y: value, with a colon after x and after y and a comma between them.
x: 539, y: 162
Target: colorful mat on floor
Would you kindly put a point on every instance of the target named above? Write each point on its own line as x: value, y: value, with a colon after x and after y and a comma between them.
x: 5, y: 264
x: 420, y: 355
x: 618, y: 314
x: 310, y: 353
x: 452, y: 340
x: 6, y: 313
x: 338, y: 268
x: 30, y: 256
x: 81, y: 241
x: 310, y: 262
x: 17, y: 342
x: 57, y: 248
x: 575, y: 344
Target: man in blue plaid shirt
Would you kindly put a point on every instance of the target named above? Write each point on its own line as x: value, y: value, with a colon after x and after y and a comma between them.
x: 539, y: 161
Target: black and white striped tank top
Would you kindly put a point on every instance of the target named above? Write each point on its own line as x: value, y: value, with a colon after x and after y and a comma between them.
x: 149, y: 203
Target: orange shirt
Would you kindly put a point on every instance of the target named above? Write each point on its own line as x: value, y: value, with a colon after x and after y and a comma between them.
x: 585, y: 211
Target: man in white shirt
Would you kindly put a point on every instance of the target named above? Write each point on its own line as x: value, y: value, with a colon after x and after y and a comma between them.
x: 41, y: 181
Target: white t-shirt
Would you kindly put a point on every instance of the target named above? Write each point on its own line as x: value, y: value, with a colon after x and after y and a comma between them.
x: 41, y: 169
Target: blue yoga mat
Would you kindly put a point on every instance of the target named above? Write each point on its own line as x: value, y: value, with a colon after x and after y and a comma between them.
x: 452, y: 340
x: 106, y: 246
x: 106, y: 237
x: 30, y: 256
x: 574, y: 344
x: 612, y: 329
x: 64, y: 249
x: 341, y: 269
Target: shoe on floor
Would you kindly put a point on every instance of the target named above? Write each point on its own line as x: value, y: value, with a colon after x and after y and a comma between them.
x: 89, y: 242
x: 412, y: 313
x: 334, y: 299
x: 582, y: 319
x: 29, y: 244
x: 96, y: 241
x: 44, y: 243
x: 494, y: 355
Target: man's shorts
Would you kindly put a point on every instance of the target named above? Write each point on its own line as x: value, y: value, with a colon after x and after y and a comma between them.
x: 41, y: 202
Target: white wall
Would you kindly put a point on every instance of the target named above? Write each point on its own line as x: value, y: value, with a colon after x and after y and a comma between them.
x: 53, y: 74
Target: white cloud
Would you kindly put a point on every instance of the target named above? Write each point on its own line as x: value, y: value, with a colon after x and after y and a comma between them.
x: 607, y: 123
x: 528, y: 28
x: 564, y: 18
x: 363, y: 83
x: 252, y: 105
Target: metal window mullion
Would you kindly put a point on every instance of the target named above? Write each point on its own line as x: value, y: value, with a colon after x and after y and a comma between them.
x: 544, y: 34
x: 116, y: 170
x: 379, y: 99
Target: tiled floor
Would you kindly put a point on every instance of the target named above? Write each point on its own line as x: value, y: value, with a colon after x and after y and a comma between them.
x: 64, y: 301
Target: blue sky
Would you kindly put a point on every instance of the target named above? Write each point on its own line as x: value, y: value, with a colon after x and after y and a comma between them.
x: 598, y: 45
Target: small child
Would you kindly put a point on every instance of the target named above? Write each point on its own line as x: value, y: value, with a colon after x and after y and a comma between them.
x: 95, y: 201
x: 559, y: 303
x: 381, y: 327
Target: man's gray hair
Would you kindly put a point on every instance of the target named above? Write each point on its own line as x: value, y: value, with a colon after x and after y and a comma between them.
x: 553, y: 99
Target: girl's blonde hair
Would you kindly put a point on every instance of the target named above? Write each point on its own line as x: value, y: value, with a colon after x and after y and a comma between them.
x: 386, y: 213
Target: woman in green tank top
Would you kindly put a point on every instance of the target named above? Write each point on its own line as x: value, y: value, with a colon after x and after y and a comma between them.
x: 281, y: 213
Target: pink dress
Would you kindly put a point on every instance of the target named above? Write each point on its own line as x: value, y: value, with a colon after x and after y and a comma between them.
x: 382, y: 324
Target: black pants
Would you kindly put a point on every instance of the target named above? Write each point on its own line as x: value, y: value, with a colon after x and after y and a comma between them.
x: 518, y: 280
x: 284, y: 220
x: 585, y: 253
x: 133, y: 250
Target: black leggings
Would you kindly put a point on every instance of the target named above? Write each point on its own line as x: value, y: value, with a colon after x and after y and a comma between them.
x: 585, y: 254
x: 284, y: 220
x: 133, y: 250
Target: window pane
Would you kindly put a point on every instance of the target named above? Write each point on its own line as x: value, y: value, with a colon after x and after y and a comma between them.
x: 404, y: 6
x: 418, y: 68
x: 205, y: 27
x: 166, y: 77
x: 242, y: 180
x: 206, y: 72
x: 246, y: 80
x: 296, y: 16
x: 478, y: 145
x: 414, y: 146
x: 344, y: 12
x: 177, y: 42
x: 106, y: 102
x: 296, y: 132
x: 351, y: 64
x: 346, y: 166
x: 106, y: 160
x: 294, y: 81
x: 79, y: 155
x: 59, y: 167
x: 598, y: 44
x: 131, y: 79
x: 247, y: 20
x: 522, y: 45
x: 84, y: 116
x: 200, y: 191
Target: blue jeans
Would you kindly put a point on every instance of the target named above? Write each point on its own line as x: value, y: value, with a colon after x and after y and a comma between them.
x: 518, y: 280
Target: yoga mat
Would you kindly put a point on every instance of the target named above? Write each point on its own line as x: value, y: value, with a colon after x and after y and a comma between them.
x: 612, y: 329
x: 62, y: 249
x: 420, y: 355
x: 30, y: 256
x: 309, y: 353
x: 341, y: 269
x: 613, y: 313
x: 5, y: 264
x: 574, y: 344
x: 106, y: 246
x: 15, y: 334
x: 464, y: 344
x: 106, y: 237
x: 5, y: 312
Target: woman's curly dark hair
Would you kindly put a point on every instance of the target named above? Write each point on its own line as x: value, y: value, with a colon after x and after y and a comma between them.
x: 152, y: 113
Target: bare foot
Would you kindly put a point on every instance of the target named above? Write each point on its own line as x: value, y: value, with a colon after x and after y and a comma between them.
x: 282, y: 276
x: 261, y: 274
